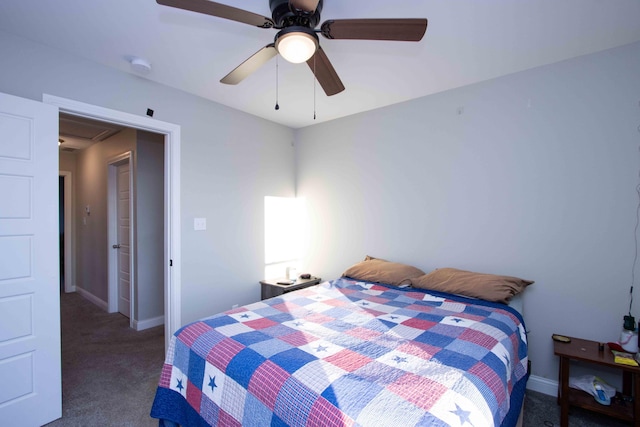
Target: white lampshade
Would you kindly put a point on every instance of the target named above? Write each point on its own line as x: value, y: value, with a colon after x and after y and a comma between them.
x: 297, y: 46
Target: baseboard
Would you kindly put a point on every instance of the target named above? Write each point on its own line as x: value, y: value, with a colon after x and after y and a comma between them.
x: 542, y: 385
x: 140, y: 325
x: 94, y: 299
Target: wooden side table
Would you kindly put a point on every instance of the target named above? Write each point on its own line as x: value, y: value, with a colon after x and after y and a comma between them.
x: 271, y: 288
x: 587, y: 351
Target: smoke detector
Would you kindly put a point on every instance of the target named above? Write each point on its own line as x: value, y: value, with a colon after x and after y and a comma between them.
x: 140, y: 65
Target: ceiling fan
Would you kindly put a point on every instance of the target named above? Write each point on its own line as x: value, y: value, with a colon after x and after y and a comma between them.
x: 297, y: 40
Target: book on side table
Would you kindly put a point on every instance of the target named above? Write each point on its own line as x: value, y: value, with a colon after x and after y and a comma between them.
x: 624, y: 358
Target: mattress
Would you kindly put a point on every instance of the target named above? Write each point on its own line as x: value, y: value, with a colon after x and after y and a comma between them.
x: 348, y: 353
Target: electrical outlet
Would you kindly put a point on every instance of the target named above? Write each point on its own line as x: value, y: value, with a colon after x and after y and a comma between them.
x: 199, y: 224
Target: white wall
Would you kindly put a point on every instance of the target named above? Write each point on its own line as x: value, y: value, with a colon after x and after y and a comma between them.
x: 531, y: 174
x: 149, y: 226
x: 91, y: 229
x: 229, y: 161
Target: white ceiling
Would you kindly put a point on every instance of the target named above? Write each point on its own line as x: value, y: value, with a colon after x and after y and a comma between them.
x: 467, y: 41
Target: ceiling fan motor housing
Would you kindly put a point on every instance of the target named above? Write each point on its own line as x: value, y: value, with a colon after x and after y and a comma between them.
x: 284, y: 17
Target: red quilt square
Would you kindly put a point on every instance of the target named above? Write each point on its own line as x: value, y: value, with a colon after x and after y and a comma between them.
x: 490, y: 378
x: 319, y: 318
x: 420, y: 308
x: 266, y: 382
x: 220, y: 355
x: 418, y: 390
x: 337, y: 302
x: 189, y: 334
x: 363, y: 333
x: 348, y: 360
x: 263, y: 323
x: 477, y: 337
x: 418, y: 349
x: 165, y: 376
x: 324, y: 414
x: 286, y: 306
x: 194, y: 395
x: 227, y: 420
x: 421, y: 324
x: 298, y: 338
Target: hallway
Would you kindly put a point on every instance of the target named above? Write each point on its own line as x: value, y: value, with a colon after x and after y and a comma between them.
x: 109, y: 371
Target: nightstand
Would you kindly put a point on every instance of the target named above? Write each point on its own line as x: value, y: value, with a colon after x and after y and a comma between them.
x: 588, y: 351
x: 271, y: 288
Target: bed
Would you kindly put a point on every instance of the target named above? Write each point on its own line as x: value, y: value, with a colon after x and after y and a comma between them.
x: 348, y: 353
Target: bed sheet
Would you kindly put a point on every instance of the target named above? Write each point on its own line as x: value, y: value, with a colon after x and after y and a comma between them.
x: 348, y: 353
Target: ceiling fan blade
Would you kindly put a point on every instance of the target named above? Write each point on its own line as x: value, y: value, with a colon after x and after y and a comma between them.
x: 308, y: 6
x: 221, y: 11
x: 325, y: 73
x: 375, y: 29
x: 250, y: 65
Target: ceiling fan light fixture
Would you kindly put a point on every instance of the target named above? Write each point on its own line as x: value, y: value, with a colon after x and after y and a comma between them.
x: 296, y: 44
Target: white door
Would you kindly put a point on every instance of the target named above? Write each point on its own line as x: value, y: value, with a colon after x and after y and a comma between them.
x: 123, y: 219
x: 30, y: 375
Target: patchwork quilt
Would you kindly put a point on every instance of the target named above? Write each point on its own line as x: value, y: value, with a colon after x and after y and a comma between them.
x: 348, y: 353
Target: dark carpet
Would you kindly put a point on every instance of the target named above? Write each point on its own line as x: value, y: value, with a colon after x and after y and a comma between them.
x: 110, y: 372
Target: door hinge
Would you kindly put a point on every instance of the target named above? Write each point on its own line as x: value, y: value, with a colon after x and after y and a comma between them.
x: 170, y: 263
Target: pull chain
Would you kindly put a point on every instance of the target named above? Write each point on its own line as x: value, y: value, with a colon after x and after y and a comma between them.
x: 314, y: 87
x: 277, y: 105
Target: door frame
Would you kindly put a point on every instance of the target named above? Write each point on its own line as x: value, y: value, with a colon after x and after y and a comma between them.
x: 112, y: 233
x: 69, y: 233
x: 172, y: 237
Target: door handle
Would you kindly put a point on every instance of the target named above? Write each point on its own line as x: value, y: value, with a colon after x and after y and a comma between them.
x: 116, y: 246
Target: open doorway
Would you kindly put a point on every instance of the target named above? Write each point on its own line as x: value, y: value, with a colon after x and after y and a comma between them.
x: 65, y: 184
x: 120, y: 198
x: 171, y: 208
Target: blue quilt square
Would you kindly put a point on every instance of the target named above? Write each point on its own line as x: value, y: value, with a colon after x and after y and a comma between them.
x: 477, y: 310
x: 448, y: 330
x: 457, y: 360
x: 277, y: 422
x: 381, y: 373
x: 196, y: 368
x: 255, y: 412
x: 354, y: 394
x: 217, y: 321
x: 271, y: 347
x: 281, y: 317
x: 205, y: 342
x: 337, y: 312
x: 436, y: 318
x: 294, y: 391
x: 499, y: 325
x: 432, y: 421
x: 435, y: 340
x: 277, y: 330
x: 209, y: 411
x: 495, y: 363
x: 243, y: 365
x: 377, y: 326
x: 248, y: 338
x: 468, y: 348
x: 370, y: 349
x: 394, y: 302
x: 181, y: 356
x: 267, y: 311
x: 292, y: 360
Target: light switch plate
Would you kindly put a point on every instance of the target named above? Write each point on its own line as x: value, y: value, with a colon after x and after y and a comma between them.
x: 199, y: 224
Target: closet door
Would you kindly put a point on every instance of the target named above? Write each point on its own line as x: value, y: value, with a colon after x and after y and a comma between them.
x: 31, y: 390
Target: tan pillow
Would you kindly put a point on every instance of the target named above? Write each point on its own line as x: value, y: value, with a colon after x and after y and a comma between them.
x: 488, y: 287
x: 381, y: 271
